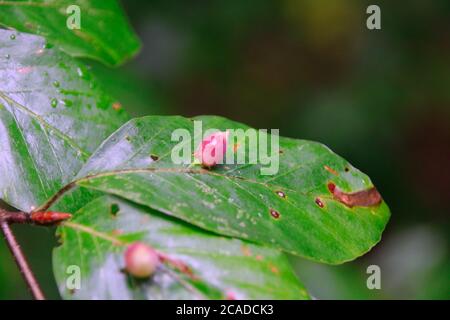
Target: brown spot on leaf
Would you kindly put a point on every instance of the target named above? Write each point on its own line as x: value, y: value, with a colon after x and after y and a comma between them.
x: 114, y: 209
x: 274, y: 269
x: 274, y: 213
x: 49, y: 217
x: 330, y: 170
x: 117, y: 106
x: 319, y: 202
x: 246, y: 251
x: 281, y: 194
x: 365, y: 198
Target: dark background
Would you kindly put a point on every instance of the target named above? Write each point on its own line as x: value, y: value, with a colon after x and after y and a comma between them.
x: 379, y: 98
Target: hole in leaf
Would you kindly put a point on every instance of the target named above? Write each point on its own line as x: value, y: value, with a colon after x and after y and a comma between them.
x: 330, y: 170
x: 114, y: 209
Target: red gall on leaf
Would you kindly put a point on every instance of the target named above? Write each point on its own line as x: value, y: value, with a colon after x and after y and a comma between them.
x: 212, y: 149
x: 141, y: 260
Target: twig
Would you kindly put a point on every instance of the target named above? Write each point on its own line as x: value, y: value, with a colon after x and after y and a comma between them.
x: 20, y: 217
x: 21, y: 261
x: 47, y: 218
x: 15, y: 217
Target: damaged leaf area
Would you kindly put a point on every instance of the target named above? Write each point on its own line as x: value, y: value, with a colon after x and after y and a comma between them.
x: 293, y: 210
x: 364, y: 198
x: 104, y: 33
x: 53, y: 114
x: 194, y: 264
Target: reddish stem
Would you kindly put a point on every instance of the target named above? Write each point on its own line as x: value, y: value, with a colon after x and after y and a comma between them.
x: 40, y: 218
x: 21, y: 261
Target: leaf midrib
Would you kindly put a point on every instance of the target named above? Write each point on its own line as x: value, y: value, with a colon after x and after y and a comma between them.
x: 95, y: 234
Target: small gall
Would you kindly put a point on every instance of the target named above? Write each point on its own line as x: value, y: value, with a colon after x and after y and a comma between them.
x: 212, y: 149
x: 141, y: 260
x: 49, y: 217
x: 319, y: 202
x: 274, y: 213
x: 281, y: 194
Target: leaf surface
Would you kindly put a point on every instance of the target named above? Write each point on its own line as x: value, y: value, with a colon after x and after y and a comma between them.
x: 197, y: 264
x: 53, y: 114
x: 293, y: 210
x: 105, y: 33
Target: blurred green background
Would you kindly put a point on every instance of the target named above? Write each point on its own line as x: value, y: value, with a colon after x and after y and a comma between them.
x: 379, y: 98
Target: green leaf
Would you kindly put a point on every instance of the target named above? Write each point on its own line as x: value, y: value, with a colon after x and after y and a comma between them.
x: 53, y: 115
x: 105, y: 33
x: 203, y: 266
x: 293, y: 210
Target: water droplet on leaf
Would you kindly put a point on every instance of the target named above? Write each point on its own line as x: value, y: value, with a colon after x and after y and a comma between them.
x: 54, y: 103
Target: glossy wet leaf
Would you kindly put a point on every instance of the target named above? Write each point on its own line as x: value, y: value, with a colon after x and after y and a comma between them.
x: 105, y: 33
x: 53, y: 114
x: 293, y: 210
x: 214, y: 267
